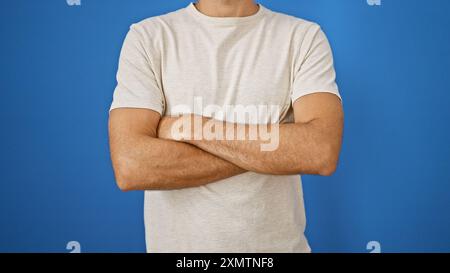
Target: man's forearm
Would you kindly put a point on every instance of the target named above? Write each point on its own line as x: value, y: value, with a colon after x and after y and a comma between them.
x: 155, y: 164
x: 300, y: 147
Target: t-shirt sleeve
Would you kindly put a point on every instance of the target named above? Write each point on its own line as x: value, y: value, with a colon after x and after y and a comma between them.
x: 314, y: 71
x: 137, y: 86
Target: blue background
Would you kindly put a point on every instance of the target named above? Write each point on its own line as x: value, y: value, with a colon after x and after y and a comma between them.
x: 57, y: 75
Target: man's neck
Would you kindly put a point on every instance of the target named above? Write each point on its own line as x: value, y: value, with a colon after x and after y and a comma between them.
x: 227, y: 8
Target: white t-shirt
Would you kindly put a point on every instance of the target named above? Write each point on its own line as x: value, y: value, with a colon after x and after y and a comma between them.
x: 264, y: 59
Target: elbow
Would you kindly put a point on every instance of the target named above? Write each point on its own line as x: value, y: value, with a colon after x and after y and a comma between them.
x: 328, y: 169
x: 328, y: 162
x: 123, y: 184
x: 125, y: 173
x: 129, y: 176
x: 124, y: 178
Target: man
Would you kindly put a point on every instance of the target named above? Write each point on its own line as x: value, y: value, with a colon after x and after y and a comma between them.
x: 225, y: 192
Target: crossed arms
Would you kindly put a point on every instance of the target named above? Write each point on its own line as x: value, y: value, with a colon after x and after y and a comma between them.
x: 146, y: 155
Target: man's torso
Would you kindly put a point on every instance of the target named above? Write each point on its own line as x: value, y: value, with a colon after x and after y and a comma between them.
x: 201, y: 62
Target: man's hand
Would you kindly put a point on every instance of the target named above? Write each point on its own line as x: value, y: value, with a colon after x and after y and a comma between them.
x: 184, y: 127
x: 165, y: 127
